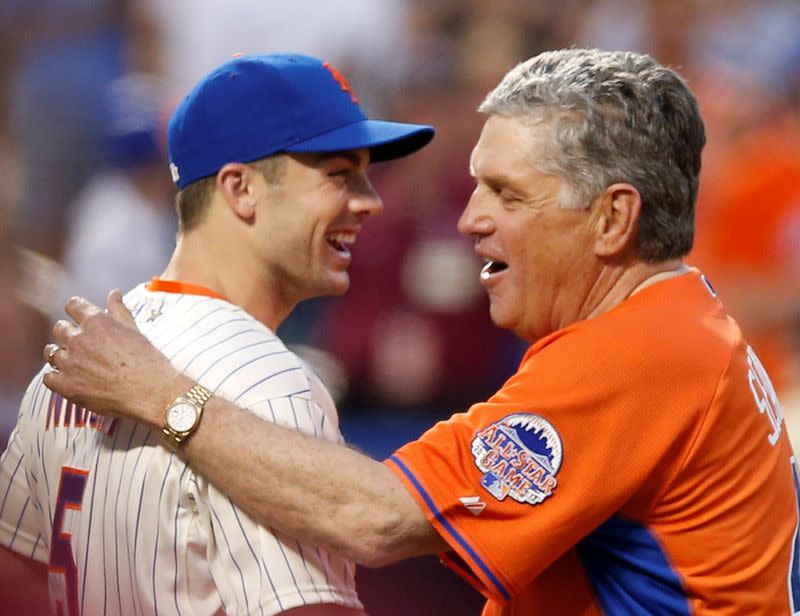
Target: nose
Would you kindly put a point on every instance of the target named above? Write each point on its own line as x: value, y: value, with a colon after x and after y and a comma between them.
x: 475, y: 219
x: 364, y: 199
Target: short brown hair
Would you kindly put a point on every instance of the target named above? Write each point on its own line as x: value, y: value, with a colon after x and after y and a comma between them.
x: 192, y: 202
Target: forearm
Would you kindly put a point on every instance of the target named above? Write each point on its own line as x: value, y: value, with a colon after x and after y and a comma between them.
x: 316, y: 491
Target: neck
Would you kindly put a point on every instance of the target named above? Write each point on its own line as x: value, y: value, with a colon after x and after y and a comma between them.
x: 615, y: 285
x: 208, y: 260
x: 679, y: 269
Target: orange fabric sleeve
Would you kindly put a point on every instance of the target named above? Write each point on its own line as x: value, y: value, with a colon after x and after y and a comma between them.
x: 585, y: 423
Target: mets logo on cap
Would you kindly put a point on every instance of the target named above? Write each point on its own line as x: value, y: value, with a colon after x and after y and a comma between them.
x: 520, y: 456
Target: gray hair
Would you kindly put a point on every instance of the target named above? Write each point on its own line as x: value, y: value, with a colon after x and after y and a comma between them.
x: 616, y: 117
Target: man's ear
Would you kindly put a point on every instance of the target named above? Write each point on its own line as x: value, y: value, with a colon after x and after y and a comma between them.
x: 618, y: 210
x: 237, y: 183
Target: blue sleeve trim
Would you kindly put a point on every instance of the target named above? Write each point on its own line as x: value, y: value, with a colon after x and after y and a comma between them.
x: 449, y: 527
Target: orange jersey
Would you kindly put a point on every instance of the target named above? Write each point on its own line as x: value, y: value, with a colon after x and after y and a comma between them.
x: 749, y: 234
x: 636, y: 463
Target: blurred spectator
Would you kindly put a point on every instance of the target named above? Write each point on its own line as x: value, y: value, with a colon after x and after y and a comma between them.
x: 656, y: 27
x: 122, y: 226
x: 749, y: 205
x: 750, y: 230
x: 63, y: 52
x: 18, y: 322
x: 18, y: 358
x: 56, y: 57
x: 366, y: 39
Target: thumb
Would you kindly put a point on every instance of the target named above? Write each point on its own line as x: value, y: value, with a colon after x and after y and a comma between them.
x: 118, y: 310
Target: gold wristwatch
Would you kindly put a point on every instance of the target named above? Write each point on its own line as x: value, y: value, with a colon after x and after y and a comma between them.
x: 183, y: 416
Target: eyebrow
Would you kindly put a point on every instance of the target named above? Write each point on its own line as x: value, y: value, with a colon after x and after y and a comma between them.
x: 496, y: 179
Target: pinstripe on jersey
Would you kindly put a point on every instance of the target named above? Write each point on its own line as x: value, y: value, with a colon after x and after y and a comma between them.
x: 147, y: 535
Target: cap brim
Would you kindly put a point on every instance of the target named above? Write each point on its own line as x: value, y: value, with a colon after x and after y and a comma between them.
x: 385, y: 140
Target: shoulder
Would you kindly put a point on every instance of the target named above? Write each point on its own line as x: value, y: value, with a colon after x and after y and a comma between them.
x: 223, y: 347
x: 175, y: 322
x: 673, y: 336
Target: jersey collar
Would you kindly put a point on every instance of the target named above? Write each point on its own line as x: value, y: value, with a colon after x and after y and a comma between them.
x: 177, y: 286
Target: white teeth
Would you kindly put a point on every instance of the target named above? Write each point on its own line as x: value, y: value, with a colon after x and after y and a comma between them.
x: 347, y: 239
x: 485, y: 273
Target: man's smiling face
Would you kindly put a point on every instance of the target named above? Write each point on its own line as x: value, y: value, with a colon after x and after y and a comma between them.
x: 537, y: 254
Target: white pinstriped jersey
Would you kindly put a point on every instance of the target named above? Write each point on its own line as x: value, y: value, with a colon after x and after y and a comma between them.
x: 125, y: 525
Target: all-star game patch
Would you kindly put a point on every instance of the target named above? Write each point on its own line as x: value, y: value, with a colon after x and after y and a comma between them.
x: 520, y: 456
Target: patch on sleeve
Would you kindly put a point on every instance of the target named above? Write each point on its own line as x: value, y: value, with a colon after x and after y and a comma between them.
x: 520, y: 456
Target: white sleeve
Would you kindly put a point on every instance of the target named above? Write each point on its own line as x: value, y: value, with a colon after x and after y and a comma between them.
x: 22, y: 525
x: 255, y: 569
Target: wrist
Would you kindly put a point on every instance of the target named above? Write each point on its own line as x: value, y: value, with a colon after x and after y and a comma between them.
x: 183, y: 416
x: 151, y: 410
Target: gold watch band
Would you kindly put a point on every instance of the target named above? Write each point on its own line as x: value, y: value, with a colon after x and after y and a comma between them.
x: 197, y: 395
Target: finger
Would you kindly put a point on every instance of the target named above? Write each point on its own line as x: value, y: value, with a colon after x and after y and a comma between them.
x: 80, y: 309
x: 49, y: 354
x: 118, y: 310
x: 57, y: 382
x: 63, y: 331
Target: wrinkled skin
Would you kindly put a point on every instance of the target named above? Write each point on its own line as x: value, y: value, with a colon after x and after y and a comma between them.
x: 103, y: 359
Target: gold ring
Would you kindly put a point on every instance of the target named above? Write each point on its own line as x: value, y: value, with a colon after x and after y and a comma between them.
x: 51, y: 356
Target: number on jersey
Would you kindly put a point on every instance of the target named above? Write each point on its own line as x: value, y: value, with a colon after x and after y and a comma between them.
x: 62, y: 568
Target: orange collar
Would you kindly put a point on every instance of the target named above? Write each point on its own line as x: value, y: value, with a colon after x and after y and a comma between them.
x: 176, y: 286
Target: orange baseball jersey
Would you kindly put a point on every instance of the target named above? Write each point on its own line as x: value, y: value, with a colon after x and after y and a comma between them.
x: 636, y: 463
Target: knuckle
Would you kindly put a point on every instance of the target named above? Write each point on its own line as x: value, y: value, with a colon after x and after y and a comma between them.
x: 97, y: 322
x: 92, y: 323
x: 63, y: 331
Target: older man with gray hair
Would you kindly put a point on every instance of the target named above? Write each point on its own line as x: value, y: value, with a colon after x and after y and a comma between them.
x: 629, y: 464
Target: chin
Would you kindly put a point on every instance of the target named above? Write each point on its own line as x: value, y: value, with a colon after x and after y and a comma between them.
x: 512, y: 324
x: 339, y: 285
x: 500, y: 319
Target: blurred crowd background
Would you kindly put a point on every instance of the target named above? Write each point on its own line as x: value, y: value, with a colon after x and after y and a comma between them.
x: 86, y: 87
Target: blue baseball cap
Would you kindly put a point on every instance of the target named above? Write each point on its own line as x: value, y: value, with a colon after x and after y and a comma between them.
x: 257, y: 105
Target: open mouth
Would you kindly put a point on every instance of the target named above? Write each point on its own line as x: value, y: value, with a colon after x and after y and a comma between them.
x: 341, y: 242
x: 491, y: 268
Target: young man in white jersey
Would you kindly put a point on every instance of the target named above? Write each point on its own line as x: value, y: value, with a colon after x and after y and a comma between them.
x: 270, y: 155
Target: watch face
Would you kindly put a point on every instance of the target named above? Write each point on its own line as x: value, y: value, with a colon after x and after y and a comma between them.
x: 181, y: 416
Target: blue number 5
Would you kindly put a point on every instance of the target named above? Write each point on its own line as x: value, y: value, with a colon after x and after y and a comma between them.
x: 62, y: 560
